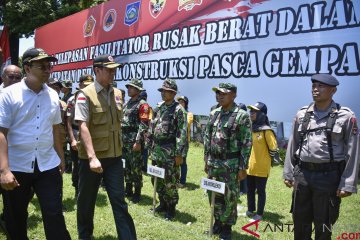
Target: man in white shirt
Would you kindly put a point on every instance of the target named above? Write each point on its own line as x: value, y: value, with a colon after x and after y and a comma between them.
x: 31, y: 154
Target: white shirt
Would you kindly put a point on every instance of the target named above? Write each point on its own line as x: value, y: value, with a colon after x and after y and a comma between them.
x: 29, y: 118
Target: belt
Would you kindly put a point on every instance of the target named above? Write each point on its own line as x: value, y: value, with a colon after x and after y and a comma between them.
x: 163, y: 142
x: 75, y: 127
x: 227, y: 156
x: 320, y: 167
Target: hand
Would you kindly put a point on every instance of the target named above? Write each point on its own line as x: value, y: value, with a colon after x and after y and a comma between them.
x: 136, y: 147
x: 289, y: 183
x: 242, y: 174
x: 8, y: 180
x: 178, y: 160
x: 342, y: 194
x: 62, y: 166
x: 95, y: 165
x: 74, y: 145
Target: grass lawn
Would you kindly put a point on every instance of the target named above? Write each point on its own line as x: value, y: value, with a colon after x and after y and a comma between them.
x: 193, y: 211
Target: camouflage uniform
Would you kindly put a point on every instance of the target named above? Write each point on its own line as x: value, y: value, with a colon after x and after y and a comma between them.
x: 167, y: 140
x: 227, y: 148
x: 68, y: 162
x: 134, y: 128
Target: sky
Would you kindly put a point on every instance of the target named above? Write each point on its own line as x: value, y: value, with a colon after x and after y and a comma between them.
x: 25, y: 43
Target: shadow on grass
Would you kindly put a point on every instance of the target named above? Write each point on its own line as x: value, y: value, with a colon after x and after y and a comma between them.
x: 69, y: 204
x: 184, y: 217
x: 33, y: 221
x: 191, y: 186
x: 145, y: 200
x: 106, y: 237
x: 101, y: 199
x: 238, y: 236
x: 273, y: 218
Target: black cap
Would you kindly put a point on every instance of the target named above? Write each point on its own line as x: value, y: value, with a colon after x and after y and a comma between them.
x: 242, y: 106
x: 106, y: 61
x: 259, y: 106
x: 184, y: 98
x: 36, y: 54
x: 325, y: 78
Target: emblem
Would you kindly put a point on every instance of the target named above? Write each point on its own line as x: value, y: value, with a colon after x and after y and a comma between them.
x: 132, y: 12
x: 188, y: 4
x: 89, y: 26
x: 156, y: 7
x: 109, y: 20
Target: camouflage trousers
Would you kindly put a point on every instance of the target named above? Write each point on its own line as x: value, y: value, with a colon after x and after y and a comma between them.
x: 167, y: 187
x: 133, y: 166
x: 225, y: 209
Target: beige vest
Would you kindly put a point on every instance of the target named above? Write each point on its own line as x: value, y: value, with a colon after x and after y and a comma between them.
x: 104, y: 124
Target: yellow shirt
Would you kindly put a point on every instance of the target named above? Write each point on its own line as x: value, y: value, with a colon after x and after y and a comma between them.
x: 260, y: 160
x: 190, y: 119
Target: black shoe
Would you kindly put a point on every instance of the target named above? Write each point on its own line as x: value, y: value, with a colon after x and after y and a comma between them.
x: 217, y: 228
x: 137, y: 195
x: 170, y: 213
x: 161, y: 207
x: 226, y: 232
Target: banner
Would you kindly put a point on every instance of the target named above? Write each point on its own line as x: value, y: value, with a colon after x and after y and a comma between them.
x: 5, y: 48
x: 268, y: 48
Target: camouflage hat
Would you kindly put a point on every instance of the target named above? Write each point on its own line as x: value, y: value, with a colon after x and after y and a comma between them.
x: 325, y: 78
x: 136, y: 83
x: 259, y: 106
x: 86, y: 79
x: 67, y: 83
x: 169, y: 85
x: 36, y: 54
x: 225, y: 88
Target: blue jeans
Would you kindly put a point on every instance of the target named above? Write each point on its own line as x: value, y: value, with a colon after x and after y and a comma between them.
x: 48, y: 187
x: 183, y: 169
x: 89, y: 183
x: 259, y: 184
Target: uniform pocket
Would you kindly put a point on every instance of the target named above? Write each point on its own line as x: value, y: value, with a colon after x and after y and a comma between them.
x: 99, y: 116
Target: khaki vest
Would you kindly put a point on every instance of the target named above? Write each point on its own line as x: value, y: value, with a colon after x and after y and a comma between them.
x: 104, y: 124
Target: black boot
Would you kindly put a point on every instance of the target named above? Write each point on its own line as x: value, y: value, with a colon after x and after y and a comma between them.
x: 129, y: 190
x: 137, y: 195
x: 226, y: 232
x: 170, y: 213
x: 217, y: 227
x: 162, y: 206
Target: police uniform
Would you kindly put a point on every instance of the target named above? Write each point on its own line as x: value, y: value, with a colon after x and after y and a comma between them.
x: 321, y: 158
x: 167, y: 136
x: 227, y: 144
x: 134, y: 128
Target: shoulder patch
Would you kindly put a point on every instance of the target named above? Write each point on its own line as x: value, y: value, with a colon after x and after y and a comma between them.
x: 81, y: 98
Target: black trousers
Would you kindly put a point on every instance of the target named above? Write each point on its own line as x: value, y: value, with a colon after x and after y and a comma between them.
x: 315, y: 201
x: 47, y: 186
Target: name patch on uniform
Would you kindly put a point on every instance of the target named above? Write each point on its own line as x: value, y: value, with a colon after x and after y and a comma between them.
x: 212, y: 185
x: 156, y: 171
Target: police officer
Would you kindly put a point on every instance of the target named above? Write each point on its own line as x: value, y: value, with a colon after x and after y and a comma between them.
x: 134, y: 128
x: 321, y: 160
x: 73, y: 130
x: 227, y: 145
x: 167, y: 135
x: 98, y: 110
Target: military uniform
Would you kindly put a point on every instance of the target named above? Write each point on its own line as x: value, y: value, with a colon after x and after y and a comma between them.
x: 167, y: 136
x: 134, y: 128
x: 321, y: 159
x: 67, y: 84
x: 227, y: 144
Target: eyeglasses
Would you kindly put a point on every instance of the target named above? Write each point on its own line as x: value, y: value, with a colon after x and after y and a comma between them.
x: 14, y: 77
x: 43, y: 67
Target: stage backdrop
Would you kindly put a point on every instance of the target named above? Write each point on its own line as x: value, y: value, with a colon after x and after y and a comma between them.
x: 268, y: 49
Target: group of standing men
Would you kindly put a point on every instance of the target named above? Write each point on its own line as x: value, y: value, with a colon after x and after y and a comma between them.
x: 321, y: 163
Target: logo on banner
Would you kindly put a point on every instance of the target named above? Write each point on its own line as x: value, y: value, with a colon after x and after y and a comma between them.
x: 132, y: 13
x: 109, y: 20
x: 188, y: 4
x: 89, y: 26
x: 156, y: 7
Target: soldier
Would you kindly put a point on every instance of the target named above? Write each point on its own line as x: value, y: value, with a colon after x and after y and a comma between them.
x: 217, y: 100
x: 66, y: 89
x: 134, y: 128
x: 167, y: 135
x: 98, y: 110
x: 322, y: 160
x: 73, y: 130
x: 227, y: 148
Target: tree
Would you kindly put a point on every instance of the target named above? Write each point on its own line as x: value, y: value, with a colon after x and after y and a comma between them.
x: 23, y: 16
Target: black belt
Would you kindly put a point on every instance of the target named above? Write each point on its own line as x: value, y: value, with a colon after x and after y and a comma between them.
x: 75, y: 127
x: 226, y: 156
x: 320, y: 167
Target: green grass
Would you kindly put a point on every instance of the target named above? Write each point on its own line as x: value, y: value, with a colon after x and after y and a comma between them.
x: 193, y: 211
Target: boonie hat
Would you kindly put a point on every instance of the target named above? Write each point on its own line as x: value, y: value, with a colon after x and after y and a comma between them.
x: 36, y: 54
x: 136, y: 83
x: 169, y: 84
x: 325, y: 78
x: 259, y: 106
x: 67, y: 83
x: 225, y: 88
x: 105, y: 61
